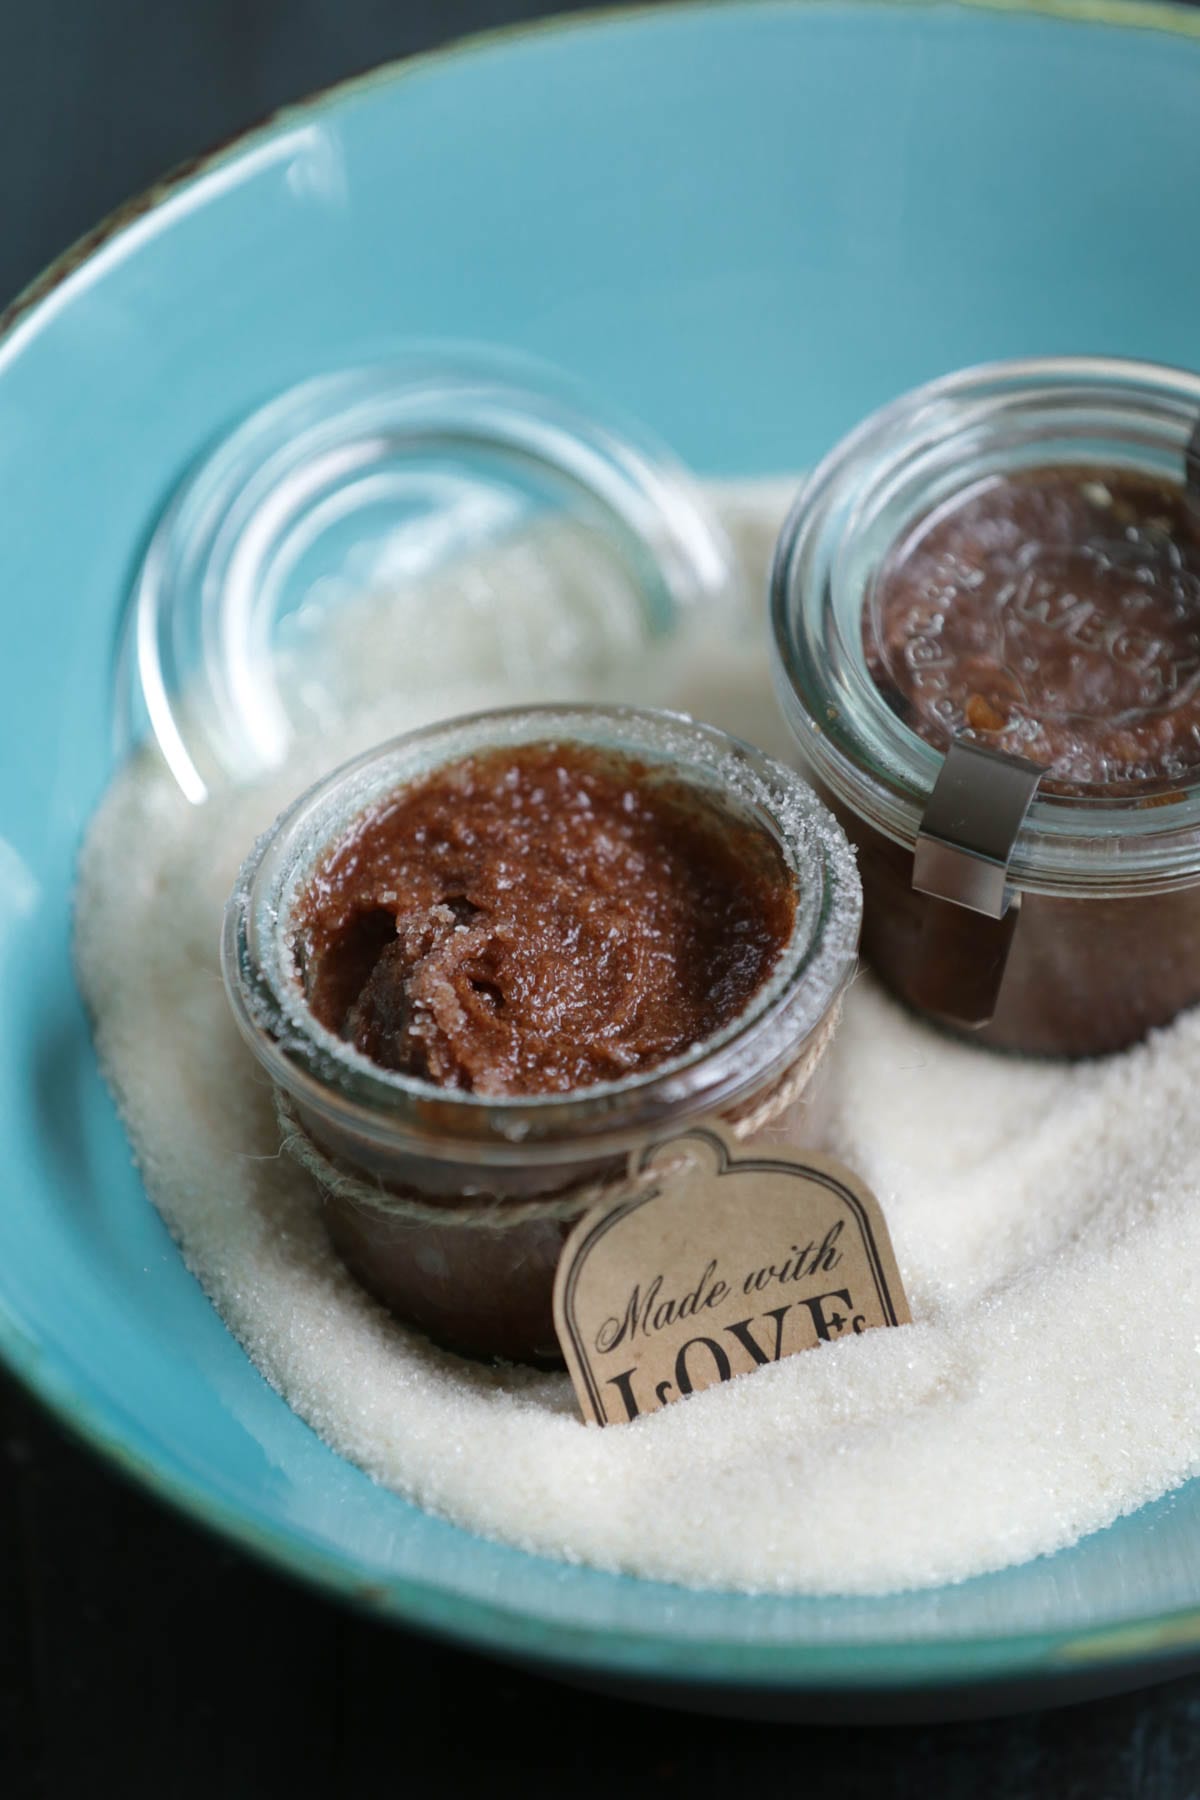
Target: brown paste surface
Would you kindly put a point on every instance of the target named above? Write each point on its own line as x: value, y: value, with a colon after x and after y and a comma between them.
x: 1055, y: 614
x: 537, y: 919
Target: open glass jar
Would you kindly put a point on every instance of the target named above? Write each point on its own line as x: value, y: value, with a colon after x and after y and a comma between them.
x: 1052, y: 915
x: 451, y: 1206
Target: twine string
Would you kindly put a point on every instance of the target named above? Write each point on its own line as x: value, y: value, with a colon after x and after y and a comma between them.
x: 344, y: 1181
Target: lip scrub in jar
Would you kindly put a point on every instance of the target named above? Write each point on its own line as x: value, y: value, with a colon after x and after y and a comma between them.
x: 986, y: 612
x: 488, y: 963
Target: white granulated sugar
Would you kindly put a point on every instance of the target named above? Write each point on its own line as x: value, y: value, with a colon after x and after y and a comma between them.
x: 1046, y: 1221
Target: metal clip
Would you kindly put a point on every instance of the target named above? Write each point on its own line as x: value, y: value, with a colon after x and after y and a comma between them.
x: 970, y: 825
x: 1191, y: 463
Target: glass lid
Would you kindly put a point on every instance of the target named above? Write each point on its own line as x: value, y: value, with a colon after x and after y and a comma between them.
x: 457, y: 523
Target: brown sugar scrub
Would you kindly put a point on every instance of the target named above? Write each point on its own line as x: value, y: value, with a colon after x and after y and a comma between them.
x: 987, y: 616
x: 1053, y: 613
x: 540, y: 918
x: 488, y: 963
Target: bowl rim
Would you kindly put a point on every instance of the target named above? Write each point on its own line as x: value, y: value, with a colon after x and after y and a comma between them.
x: 1159, y: 1643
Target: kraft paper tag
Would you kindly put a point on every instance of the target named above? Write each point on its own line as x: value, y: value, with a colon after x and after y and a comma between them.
x: 728, y: 1264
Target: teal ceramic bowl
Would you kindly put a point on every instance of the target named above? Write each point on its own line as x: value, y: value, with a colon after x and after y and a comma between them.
x: 749, y: 224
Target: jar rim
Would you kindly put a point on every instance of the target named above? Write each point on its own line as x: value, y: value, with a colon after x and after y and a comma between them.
x: 329, y: 1077
x: 851, y: 741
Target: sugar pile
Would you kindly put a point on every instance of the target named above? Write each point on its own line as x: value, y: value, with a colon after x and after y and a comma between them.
x: 1046, y: 1221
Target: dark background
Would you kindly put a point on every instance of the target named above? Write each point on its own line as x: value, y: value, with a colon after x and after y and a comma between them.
x: 139, y: 1656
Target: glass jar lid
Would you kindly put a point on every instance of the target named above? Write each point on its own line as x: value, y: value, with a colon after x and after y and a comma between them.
x: 910, y: 463
x: 457, y: 523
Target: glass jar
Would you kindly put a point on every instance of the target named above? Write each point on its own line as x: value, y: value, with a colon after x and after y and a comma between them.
x: 507, y: 1175
x: 1050, y: 917
x: 350, y: 553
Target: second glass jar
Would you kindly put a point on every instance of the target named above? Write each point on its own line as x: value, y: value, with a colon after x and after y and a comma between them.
x: 1077, y: 929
